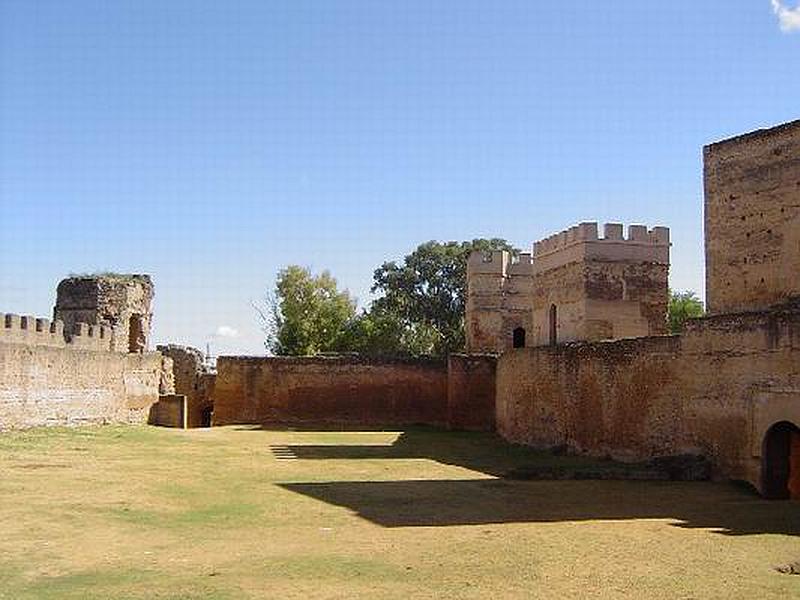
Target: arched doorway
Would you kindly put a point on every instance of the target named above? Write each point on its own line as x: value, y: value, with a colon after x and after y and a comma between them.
x: 553, y: 325
x: 780, y: 470
x: 519, y: 337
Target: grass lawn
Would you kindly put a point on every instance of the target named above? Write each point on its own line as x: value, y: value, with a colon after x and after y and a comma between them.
x: 142, y: 512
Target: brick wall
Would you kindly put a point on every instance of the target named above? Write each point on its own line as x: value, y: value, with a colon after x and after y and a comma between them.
x: 342, y: 390
x: 714, y: 390
x: 471, y: 391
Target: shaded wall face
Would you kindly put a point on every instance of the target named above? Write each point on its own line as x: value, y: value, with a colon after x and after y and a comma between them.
x: 794, y: 466
x: 752, y: 220
x: 706, y: 391
x: 346, y: 391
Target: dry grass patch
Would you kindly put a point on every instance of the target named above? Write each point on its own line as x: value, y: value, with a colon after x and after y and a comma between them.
x: 139, y: 512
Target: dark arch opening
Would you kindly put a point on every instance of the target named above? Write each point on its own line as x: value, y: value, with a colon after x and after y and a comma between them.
x: 553, y: 325
x: 519, y: 337
x: 205, y: 416
x: 780, y: 469
x: 136, y: 341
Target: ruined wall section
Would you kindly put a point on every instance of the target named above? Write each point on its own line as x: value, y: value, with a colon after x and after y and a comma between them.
x: 340, y: 391
x: 714, y: 390
x: 600, y: 288
x: 194, y: 380
x: 752, y: 219
x: 499, y: 294
x: 121, y: 303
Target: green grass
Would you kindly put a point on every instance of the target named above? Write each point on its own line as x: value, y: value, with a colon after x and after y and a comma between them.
x: 235, y: 512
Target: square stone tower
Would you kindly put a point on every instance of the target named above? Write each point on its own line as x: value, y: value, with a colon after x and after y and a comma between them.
x: 752, y: 220
x: 498, y: 312
x: 122, y: 302
x: 591, y: 288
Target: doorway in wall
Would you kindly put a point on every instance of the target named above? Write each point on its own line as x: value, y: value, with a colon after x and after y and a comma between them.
x: 205, y: 416
x: 518, y: 337
x: 781, y: 462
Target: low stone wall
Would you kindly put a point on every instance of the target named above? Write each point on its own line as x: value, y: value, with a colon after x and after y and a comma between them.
x: 347, y: 391
x: 471, y: 391
x: 714, y: 390
x: 49, y: 385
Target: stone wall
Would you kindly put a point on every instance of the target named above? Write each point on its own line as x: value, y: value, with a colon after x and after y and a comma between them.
x: 715, y: 390
x: 346, y: 391
x: 471, y: 391
x: 752, y: 219
x: 49, y: 378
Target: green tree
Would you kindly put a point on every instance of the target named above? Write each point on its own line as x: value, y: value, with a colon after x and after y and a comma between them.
x: 682, y: 306
x: 426, y: 294
x: 376, y: 333
x: 307, y: 314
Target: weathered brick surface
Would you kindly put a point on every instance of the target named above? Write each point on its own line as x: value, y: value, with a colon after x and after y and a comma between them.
x: 343, y: 390
x: 752, y: 219
x: 471, y: 391
x: 652, y: 396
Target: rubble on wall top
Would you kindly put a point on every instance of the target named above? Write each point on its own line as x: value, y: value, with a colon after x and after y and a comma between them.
x: 612, y: 233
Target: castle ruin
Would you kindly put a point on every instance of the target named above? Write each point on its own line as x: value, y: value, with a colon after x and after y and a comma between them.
x: 567, y: 346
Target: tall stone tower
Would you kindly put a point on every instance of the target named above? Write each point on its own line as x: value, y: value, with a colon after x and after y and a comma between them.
x: 122, y: 302
x: 591, y: 288
x: 752, y: 220
x: 498, y: 312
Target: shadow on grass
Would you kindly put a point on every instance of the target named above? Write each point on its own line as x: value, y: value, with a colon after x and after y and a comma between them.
x: 729, y: 509
x: 433, y: 503
x: 483, y: 452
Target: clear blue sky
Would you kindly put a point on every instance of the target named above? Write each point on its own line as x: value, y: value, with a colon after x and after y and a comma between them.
x: 212, y: 143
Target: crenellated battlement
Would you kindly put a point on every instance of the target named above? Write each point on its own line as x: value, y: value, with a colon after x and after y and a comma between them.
x: 500, y: 262
x: 91, y: 337
x: 613, y: 233
x: 32, y: 331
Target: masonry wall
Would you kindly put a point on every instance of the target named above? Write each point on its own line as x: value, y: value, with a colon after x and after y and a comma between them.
x: 347, y: 391
x: 714, y: 390
x: 752, y: 219
x: 471, y: 391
